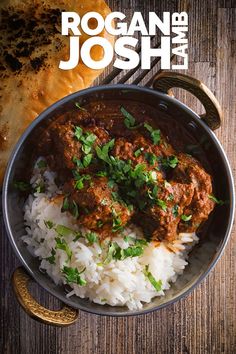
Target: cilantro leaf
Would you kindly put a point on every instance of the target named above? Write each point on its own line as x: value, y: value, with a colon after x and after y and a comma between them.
x: 61, y: 244
x: 79, y: 106
x: 186, y: 217
x: 22, y: 186
x: 138, y: 152
x: 175, y: 210
x: 216, y: 200
x: 102, y: 152
x: 129, y: 120
x: 66, y: 204
x: 87, y: 160
x: 42, y: 164
x: 118, y: 253
x: 49, y: 224
x: 170, y: 161
x: 72, y: 275
x: 151, y: 158
x: 162, y: 204
x: 79, y: 180
x: 157, y: 284
x: 74, y: 209
x: 64, y: 230
x: 91, y: 237
x: 155, y: 133
x: 52, y: 258
x: 78, y: 132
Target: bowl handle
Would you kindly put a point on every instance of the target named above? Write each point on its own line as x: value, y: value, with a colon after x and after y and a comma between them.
x: 166, y: 80
x: 64, y: 317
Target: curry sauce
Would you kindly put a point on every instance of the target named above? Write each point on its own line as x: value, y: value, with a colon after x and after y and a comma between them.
x: 116, y: 165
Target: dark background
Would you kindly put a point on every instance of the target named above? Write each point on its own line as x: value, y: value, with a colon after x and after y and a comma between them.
x: 203, y: 322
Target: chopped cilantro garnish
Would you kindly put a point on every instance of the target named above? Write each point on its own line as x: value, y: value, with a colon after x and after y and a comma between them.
x: 186, y: 217
x: 87, y: 160
x: 175, y: 210
x: 101, y: 173
x: 118, y: 253
x: 22, y: 186
x: 74, y: 209
x: 111, y: 251
x: 170, y: 197
x: 79, y: 106
x: 42, y: 164
x: 78, y: 236
x: 79, y: 180
x: 66, y: 204
x: 39, y: 188
x: 83, y: 163
x: 86, y: 149
x: 100, y: 223
x: 72, y: 275
x: 87, y: 139
x: 170, y: 161
x: 155, y: 134
x: 133, y: 251
x: 151, y: 158
x: 49, y: 224
x: 61, y: 244
x: 102, y: 152
x: 78, y: 162
x: 116, y: 224
x: 129, y: 120
x: 78, y: 132
x: 138, y: 152
x: 152, y: 194
x: 91, y: 237
x: 52, y: 258
x: 161, y: 204
x: 157, y: 284
x: 111, y: 183
x: 64, y: 230
x: 216, y: 200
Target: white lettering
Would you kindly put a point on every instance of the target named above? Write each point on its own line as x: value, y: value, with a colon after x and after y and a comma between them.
x: 131, y: 55
x: 148, y: 52
x: 121, y: 27
x: 107, y: 57
x: 154, y: 21
x: 66, y: 24
x: 74, y: 55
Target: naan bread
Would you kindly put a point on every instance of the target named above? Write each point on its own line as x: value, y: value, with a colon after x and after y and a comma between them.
x: 31, y: 49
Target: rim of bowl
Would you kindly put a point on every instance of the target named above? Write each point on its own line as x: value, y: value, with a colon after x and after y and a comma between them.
x: 43, y: 115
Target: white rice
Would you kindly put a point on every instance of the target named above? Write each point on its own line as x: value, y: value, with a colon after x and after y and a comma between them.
x: 118, y: 283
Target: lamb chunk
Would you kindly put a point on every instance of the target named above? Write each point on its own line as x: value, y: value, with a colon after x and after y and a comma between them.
x: 98, y: 209
x: 66, y: 146
x: 161, y: 223
x: 200, y: 206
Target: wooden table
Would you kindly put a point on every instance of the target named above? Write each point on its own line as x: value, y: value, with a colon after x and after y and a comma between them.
x: 203, y: 322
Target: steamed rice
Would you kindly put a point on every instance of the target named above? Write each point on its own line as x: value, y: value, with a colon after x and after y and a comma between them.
x: 117, y: 283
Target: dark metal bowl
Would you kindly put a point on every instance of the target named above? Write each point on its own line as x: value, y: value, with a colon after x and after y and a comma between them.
x: 203, y: 257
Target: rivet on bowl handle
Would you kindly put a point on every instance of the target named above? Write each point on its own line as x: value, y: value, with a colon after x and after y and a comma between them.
x: 169, y: 79
x: 64, y: 317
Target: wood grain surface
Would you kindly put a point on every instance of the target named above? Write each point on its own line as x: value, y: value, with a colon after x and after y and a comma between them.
x: 203, y: 322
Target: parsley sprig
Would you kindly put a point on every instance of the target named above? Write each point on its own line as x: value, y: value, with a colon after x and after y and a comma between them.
x: 72, y: 275
x: 129, y: 120
x: 157, y: 284
x: 154, y: 133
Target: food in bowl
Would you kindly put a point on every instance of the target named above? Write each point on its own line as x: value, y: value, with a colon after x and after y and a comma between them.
x: 116, y: 203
